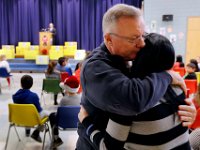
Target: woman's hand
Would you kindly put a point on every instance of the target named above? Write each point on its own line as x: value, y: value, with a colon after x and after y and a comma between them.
x: 187, y: 113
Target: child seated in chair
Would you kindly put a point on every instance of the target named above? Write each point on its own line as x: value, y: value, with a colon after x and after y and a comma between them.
x: 190, y: 72
x: 25, y: 96
x: 62, y: 65
x: 4, y: 64
x: 51, y: 72
x: 70, y: 86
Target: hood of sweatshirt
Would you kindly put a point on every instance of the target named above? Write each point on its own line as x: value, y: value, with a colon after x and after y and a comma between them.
x: 21, y: 95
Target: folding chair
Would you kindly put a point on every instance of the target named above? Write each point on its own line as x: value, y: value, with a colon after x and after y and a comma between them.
x: 198, y: 77
x: 63, y: 76
x: 176, y: 65
x: 196, y: 123
x: 25, y: 115
x: 5, y: 74
x: 67, y: 117
x: 192, y: 85
x: 50, y: 85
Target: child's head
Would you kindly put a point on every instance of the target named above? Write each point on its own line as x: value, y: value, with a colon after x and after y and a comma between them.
x: 70, y: 85
x: 62, y: 61
x: 157, y: 55
x: 179, y: 58
x: 2, y: 57
x: 26, y: 82
x: 194, y: 61
x: 190, y: 68
x: 51, y: 67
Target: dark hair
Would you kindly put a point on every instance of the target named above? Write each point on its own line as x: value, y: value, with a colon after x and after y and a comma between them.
x: 194, y: 61
x: 61, y: 60
x: 78, y: 65
x: 191, y: 65
x: 26, y: 82
x: 179, y: 58
x: 157, y: 55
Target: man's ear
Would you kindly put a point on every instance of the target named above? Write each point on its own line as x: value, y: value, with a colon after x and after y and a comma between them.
x: 108, y: 39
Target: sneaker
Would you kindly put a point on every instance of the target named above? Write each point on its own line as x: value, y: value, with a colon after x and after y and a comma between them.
x: 36, y: 138
x: 57, y: 143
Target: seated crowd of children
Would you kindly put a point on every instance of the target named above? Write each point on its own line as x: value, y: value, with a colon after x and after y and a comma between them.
x: 71, y: 96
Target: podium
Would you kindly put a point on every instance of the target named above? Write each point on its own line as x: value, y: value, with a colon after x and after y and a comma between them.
x: 45, y: 42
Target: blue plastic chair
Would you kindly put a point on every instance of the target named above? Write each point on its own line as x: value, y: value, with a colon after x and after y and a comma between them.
x: 4, y: 73
x: 68, y: 117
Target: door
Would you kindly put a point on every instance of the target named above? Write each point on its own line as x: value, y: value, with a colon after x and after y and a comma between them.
x: 193, y: 38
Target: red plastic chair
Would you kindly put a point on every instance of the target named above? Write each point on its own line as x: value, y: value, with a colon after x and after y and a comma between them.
x: 196, y: 123
x: 181, y: 71
x: 192, y: 85
x: 176, y: 65
x: 63, y: 76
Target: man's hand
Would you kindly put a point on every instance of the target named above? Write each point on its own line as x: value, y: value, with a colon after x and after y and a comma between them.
x: 82, y: 114
x: 178, y: 80
x: 187, y: 113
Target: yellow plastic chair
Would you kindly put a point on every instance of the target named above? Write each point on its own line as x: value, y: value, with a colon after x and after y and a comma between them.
x: 25, y: 115
x: 198, y: 77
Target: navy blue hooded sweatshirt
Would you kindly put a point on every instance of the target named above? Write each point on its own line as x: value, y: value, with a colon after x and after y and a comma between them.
x: 25, y: 96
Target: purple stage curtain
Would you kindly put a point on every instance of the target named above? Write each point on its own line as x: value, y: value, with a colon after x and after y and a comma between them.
x: 74, y: 20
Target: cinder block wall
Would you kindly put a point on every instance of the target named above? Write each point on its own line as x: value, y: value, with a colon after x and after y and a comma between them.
x: 180, y: 9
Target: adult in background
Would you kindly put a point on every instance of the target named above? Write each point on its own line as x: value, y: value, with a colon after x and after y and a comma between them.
x: 52, y: 29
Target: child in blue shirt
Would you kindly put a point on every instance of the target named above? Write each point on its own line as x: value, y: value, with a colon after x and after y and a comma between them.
x: 25, y: 96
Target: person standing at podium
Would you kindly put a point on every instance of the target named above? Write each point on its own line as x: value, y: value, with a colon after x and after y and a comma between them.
x: 52, y: 29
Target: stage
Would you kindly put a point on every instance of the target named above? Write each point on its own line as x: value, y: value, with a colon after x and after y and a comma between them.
x: 22, y: 65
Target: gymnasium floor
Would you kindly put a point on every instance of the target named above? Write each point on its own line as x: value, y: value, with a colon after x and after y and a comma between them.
x: 69, y: 137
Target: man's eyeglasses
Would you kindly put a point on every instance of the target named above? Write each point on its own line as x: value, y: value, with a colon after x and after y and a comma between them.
x: 128, y: 39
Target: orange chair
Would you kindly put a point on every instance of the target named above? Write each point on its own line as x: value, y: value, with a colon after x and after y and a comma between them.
x: 176, y: 65
x: 196, y: 123
x: 77, y: 74
x: 63, y: 76
x: 192, y: 85
x: 181, y: 71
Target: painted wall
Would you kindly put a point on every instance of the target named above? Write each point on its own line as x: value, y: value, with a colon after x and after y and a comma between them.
x: 176, y: 29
